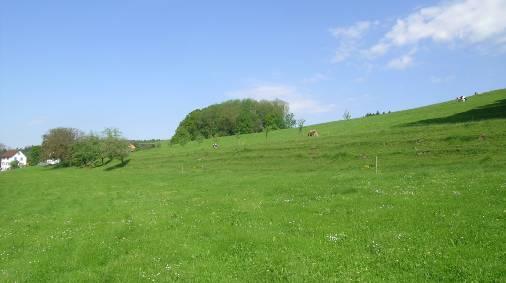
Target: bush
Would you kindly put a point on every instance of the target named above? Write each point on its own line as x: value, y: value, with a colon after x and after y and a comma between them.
x: 15, y: 164
x: 140, y: 146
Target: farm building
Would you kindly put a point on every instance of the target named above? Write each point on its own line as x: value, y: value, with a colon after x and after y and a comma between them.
x: 10, y: 156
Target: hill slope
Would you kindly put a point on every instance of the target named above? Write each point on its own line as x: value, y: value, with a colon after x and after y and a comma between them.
x: 285, y: 207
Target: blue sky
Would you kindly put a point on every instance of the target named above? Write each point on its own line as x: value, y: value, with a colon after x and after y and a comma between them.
x: 142, y: 66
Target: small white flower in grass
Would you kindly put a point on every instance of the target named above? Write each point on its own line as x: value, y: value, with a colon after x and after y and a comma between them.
x: 336, y: 237
x: 332, y: 238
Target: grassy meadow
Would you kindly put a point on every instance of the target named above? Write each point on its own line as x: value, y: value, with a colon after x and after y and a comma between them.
x: 283, y: 208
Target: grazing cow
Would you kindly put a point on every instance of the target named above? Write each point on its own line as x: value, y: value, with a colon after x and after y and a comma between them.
x: 461, y: 98
x: 313, y: 133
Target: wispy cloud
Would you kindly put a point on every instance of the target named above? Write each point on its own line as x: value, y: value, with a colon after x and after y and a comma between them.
x: 402, y: 62
x: 349, y: 38
x: 355, y: 31
x: 299, y: 103
x: 464, y: 21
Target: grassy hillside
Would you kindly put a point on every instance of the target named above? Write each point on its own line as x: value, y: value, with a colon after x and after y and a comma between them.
x: 288, y: 207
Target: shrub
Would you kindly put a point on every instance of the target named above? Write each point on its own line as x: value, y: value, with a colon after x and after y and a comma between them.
x: 15, y: 164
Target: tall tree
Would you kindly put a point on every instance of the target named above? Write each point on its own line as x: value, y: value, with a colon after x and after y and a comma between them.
x: 181, y: 137
x: 290, y: 120
x: 57, y: 144
x: 34, y: 154
x: 114, y: 145
x: 300, y: 125
x: 86, y: 150
x: 346, y: 115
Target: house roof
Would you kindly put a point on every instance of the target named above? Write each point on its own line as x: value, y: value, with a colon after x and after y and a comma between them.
x: 9, y: 153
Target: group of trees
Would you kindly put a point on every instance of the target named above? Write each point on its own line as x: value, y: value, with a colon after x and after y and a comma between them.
x: 234, y: 117
x: 74, y: 148
x: 33, y: 154
x: 376, y: 114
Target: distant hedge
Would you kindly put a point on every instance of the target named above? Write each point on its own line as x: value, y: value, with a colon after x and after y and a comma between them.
x: 140, y: 146
x: 234, y: 117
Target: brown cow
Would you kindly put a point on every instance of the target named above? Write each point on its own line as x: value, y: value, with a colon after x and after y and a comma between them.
x: 313, y: 133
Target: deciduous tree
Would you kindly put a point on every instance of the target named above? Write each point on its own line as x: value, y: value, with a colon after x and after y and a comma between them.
x: 114, y: 145
x: 300, y: 125
x: 57, y: 144
x: 86, y: 150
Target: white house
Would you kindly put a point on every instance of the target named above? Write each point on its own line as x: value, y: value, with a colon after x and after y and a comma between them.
x: 12, y: 155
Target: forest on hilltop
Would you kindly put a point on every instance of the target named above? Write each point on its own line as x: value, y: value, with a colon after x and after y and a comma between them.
x: 234, y: 117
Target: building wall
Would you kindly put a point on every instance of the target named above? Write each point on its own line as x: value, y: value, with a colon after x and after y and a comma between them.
x: 6, y: 162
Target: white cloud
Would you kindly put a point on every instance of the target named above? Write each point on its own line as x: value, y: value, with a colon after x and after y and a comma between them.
x: 299, y: 104
x: 343, y: 52
x: 466, y: 21
x: 402, y: 62
x: 349, y: 38
x: 355, y: 31
x: 377, y: 50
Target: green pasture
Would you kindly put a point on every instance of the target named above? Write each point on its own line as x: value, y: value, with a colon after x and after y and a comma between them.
x: 281, y: 207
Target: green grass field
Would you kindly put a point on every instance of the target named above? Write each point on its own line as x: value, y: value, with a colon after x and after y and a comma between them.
x: 285, y: 208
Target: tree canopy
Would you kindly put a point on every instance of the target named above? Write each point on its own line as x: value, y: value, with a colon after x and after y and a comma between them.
x: 33, y: 153
x: 73, y: 148
x: 234, y: 117
x: 57, y: 144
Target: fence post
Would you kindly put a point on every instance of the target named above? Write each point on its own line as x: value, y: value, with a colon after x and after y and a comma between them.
x: 376, y: 164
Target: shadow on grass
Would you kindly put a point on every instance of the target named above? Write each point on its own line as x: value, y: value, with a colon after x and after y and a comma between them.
x: 496, y: 110
x: 117, y: 166
x: 103, y: 164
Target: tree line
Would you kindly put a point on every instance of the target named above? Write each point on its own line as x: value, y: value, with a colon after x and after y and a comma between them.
x: 234, y: 117
x: 376, y: 114
x: 74, y: 148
